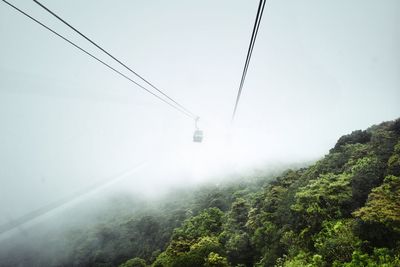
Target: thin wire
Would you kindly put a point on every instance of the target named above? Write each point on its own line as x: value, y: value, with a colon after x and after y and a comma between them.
x: 28, y: 217
x: 249, y: 53
x: 110, y: 55
x: 260, y: 11
x: 94, y: 57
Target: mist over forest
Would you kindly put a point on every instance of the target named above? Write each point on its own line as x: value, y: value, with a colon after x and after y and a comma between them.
x: 342, y: 210
x: 200, y: 133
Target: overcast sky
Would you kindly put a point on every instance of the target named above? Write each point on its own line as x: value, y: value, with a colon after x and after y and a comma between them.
x: 320, y: 69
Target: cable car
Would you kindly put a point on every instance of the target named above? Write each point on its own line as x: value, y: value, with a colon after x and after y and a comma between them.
x: 198, y: 134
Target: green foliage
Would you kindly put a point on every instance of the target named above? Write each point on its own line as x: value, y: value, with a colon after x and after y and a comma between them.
x: 383, y: 142
x: 135, y: 262
x: 189, y: 253
x: 366, y: 173
x: 383, y: 204
x: 238, y: 213
x: 340, y: 211
x: 355, y: 137
x: 394, y: 161
x: 381, y: 257
x: 208, y: 222
x: 264, y: 235
x: 336, y: 241
x: 323, y: 198
x: 292, y: 243
x: 215, y: 260
x: 238, y: 247
x: 301, y: 259
x: 303, y: 217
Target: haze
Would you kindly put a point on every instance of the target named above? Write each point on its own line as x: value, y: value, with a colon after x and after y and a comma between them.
x: 320, y: 69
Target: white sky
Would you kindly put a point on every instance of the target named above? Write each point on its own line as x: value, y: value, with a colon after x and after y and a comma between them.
x: 320, y: 69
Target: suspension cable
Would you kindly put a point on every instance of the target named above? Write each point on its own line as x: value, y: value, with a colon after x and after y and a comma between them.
x: 249, y: 53
x: 113, y: 57
x: 96, y: 58
x: 70, y: 198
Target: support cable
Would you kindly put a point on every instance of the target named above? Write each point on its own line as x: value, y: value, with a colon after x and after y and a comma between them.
x: 249, y: 53
x: 97, y: 59
x: 113, y: 57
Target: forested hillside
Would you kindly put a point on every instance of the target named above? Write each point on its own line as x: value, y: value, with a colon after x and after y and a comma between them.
x: 344, y: 210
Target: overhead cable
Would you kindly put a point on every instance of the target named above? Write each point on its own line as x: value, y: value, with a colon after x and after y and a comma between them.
x: 73, y: 197
x: 114, y: 58
x: 260, y: 11
x: 97, y: 59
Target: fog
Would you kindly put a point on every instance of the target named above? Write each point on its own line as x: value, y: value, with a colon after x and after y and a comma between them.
x: 320, y: 69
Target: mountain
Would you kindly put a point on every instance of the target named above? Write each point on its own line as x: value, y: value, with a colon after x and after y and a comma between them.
x: 343, y: 210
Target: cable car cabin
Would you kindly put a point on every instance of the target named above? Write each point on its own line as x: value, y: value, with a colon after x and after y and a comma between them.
x: 198, y: 136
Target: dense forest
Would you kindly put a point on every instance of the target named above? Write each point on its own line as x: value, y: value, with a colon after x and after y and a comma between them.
x: 343, y: 210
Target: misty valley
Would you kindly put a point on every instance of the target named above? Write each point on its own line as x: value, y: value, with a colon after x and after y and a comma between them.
x: 342, y: 210
x: 199, y: 133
